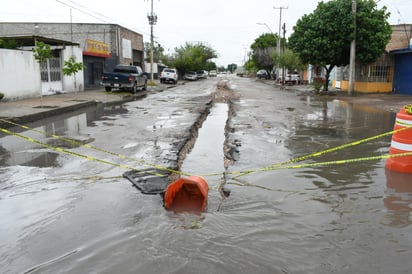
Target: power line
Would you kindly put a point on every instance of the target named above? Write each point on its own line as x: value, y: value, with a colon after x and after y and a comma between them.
x: 84, y: 12
x: 96, y: 15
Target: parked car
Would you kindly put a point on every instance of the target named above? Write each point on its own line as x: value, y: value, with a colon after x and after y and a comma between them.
x: 202, y: 74
x: 169, y: 75
x: 125, y: 77
x: 291, y: 79
x: 212, y: 73
x: 190, y: 75
x: 262, y: 74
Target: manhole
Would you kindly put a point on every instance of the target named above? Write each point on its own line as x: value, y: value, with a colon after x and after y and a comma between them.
x: 149, y: 181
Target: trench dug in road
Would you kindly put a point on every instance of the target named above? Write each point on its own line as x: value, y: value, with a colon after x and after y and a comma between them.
x: 205, y: 152
x: 209, y: 152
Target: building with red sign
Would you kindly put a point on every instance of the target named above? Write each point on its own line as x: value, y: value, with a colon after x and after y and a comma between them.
x: 103, y: 45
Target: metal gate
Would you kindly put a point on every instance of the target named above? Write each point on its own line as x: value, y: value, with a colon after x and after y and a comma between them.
x: 51, y: 76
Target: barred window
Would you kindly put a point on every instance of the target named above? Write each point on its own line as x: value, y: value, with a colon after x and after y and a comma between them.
x: 380, y: 71
x: 55, y: 70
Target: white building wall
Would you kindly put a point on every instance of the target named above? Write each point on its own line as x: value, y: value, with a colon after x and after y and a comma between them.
x: 19, y: 74
x: 75, y: 82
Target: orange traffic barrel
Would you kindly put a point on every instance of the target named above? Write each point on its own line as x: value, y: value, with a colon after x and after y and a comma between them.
x: 187, y: 195
x: 401, y: 142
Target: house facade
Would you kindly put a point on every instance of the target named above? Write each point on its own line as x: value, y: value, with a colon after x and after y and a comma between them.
x: 39, y: 78
x: 103, y: 45
x: 389, y: 73
x: 400, y: 47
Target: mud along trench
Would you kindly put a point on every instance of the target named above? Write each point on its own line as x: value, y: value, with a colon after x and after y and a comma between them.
x: 221, y: 98
x: 203, y: 152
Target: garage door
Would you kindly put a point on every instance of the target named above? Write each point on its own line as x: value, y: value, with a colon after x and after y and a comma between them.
x: 402, y: 83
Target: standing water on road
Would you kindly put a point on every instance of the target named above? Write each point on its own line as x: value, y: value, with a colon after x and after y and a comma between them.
x: 207, y: 156
x: 77, y: 216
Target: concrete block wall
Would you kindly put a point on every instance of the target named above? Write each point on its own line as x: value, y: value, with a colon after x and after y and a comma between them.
x: 110, y: 34
x: 400, y: 39
x: 19, y: 74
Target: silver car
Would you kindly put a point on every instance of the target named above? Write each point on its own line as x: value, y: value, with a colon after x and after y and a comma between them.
x: 190, y: 75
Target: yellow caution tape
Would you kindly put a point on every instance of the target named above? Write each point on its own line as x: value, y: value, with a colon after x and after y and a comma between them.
x: 78, y: 143
x: 72, y: 153
x: 278, y: 166
x: 339, y: 162
x: 320, y: 153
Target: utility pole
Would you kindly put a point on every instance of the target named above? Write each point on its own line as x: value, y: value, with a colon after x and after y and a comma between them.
x: 284, y: 69
x: 280, y: 26
x: 152, y: 21
x: 352, y: 61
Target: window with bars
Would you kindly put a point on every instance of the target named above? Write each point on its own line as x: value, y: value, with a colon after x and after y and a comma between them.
x: 55, y: 70
x: 380, y: 71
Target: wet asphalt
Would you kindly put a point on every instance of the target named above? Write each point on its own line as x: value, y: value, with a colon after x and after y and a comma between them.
x: 78, y: 216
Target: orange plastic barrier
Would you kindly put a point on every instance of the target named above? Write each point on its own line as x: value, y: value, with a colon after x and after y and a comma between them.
x: 187, y: 195
x: 401, y: 143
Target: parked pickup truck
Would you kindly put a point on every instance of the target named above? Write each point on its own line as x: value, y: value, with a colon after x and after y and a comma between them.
x: 169, y: 75
x: 125, y: 77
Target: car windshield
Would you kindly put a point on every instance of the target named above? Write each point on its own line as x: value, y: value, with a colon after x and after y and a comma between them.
x: 169, y: 70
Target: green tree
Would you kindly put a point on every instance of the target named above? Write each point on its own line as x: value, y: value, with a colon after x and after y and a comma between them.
x: 71, y: 67
x: 192, y: 57
x: 210, y: 66
x: 323, y: 37
x: 250, y: 66
x: 231, y: 67
x: 158, y: 53
x: 221, y: 69
x: 42, y: 52
x: 288, y: 60
x: 8, y: 44
x: 262, y: 51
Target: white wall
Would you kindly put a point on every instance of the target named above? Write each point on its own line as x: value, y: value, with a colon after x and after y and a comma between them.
x: 19, y: 74
x: 78, y: 78
x: 148, y: 67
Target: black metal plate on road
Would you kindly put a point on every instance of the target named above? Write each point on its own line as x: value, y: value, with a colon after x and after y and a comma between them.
x: 147, y: 182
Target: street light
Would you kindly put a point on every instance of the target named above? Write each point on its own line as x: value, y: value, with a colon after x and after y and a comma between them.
x: 264, y: 24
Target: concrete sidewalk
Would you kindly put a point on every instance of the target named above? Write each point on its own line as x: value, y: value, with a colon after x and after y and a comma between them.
x: 32, y: 109
x: 386, y: 101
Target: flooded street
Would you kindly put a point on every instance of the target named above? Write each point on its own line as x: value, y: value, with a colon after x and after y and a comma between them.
x: 61, y: 213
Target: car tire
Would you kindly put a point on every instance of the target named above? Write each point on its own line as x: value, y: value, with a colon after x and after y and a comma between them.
x: 108, y: 89
x: 145, y: 85
x: 134, y: 89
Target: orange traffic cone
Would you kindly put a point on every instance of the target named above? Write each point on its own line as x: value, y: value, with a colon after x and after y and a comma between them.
x: 187, y: 195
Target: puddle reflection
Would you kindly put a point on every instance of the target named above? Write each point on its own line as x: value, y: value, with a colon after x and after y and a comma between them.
x: 399, y: 198
x: 16, y: 151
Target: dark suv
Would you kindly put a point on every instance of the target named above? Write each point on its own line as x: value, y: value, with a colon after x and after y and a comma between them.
x: 262, y: 74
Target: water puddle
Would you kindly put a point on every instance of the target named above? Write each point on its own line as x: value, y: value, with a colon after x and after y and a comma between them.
x: 207, y: 154
x: 69, y: 126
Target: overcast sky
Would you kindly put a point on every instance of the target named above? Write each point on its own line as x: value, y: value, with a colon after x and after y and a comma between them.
x: 228, y: 26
